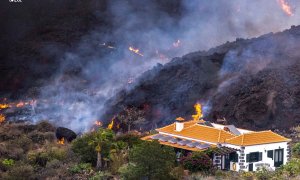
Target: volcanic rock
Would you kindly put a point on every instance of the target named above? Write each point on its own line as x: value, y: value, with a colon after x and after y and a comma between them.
x: 65, y: 133
x: 252, y: 83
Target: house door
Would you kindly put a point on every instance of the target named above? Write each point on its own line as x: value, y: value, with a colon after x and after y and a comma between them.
x: 251, y: 167
x: 278, y: 157
x: 227, y: 162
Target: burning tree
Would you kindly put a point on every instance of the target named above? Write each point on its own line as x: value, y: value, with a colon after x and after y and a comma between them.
x: 100, y: 138
x: 131, y: 116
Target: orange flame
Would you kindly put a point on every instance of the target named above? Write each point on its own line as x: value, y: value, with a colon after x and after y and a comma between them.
x: 61, y: 141
x: 111, y: 124
x: 286, y: 7
x: 98, y: 123
x: 2, y: 118
x: 136, y: 51
x: 198, y: 109
x: 4, y: 106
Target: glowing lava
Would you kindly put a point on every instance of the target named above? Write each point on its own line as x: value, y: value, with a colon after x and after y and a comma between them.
x: 285, y: 7
x: 136, y: 51
x: 198, y: 109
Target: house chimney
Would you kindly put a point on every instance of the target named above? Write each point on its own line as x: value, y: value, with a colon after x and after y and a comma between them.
x: 179, y: 124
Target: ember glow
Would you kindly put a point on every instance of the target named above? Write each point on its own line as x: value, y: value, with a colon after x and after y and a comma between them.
x: 98, y: 123
x: 2, y: 118
x: 286, y: 7
x: 135, y: 50
x: 198, y: 109
x: 61, y: 141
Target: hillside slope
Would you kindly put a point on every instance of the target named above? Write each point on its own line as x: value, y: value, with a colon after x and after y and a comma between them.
x: 253, y: 83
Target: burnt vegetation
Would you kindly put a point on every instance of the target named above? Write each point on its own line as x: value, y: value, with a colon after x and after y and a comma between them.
x: 253, y: 83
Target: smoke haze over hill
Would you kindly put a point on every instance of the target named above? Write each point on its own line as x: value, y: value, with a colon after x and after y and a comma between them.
x: 74, y: 55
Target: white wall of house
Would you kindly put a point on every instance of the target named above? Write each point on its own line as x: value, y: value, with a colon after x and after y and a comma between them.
x: 263, y: 148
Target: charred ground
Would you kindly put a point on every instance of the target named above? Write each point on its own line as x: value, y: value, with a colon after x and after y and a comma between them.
x: 253, y: 83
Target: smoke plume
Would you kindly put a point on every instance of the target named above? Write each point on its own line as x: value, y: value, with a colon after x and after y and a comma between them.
x: 101, y: 64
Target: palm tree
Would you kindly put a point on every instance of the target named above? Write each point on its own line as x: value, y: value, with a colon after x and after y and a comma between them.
x: 100, y: 138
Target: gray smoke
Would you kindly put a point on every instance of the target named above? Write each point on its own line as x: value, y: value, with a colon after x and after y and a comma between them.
x: 100, y: 65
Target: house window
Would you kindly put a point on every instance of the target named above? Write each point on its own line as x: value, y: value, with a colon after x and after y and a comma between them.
x: 278, y: 157
x: 254, y: 157
x: 270, y: 154
x: 233, y: 157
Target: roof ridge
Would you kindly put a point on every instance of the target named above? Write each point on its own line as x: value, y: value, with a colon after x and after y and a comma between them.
x: 243, y: 139
x: 215, y: 129
x: 219, y: 135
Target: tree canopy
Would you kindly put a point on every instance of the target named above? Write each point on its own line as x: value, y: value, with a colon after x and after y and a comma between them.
x: 150, y: 160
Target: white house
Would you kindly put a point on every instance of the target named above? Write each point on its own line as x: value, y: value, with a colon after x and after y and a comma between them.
x: 234, y: 148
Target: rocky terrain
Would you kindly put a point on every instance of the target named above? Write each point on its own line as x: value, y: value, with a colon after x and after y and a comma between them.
x: 253, y: 83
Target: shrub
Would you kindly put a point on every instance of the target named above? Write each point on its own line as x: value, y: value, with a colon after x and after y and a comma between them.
x: 24, y: 143
x: 54, y: 164
x: 57, y: 153
x: 37, y: 137
x: 13, y: 151
x: 296, y: 150
x: 177, y: 172
x: 263, y: 174
x: 41, y: 157
x: 290, y: 169
x: 50, y: 136
x: 45, y: 126
x: 38, y: 158
x: 130, y: 138
x: 101, y: 175
x: 128, y: 171
x: 247, y: 175
x: 81, y: 147
x: 80, y: 168
x: 198, y: 162
x: 117, y: 160
x: 8, y: 162
x: 20, y: 172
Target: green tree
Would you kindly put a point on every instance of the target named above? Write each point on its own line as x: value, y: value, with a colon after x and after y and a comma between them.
x: 81, y: 147
x: 100, y: 138
x: 296, y: 150
x: 150, y: 160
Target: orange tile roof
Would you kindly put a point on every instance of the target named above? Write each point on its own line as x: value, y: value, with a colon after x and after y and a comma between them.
x: 255, y: 138
x: 148, y: 138
x: 200, y: 132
